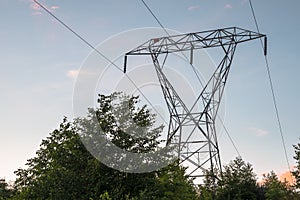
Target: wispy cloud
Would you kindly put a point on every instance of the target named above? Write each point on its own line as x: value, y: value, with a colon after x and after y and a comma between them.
x: 258, y: 131
x: 34, y: 6
x: 228, y: 6
x: 244, y: 2
x: 72, y: 73
x: 191, y: 8
x: 54, y: 8
x: 37, y: 10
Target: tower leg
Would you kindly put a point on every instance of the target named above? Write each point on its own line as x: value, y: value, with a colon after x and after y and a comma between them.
x: 192, y: 131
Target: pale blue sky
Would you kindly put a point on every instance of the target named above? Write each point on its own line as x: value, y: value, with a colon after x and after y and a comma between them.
x: 39, y: 56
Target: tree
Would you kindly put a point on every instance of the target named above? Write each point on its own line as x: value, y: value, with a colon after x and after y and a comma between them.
x: 296, y: 172
x: 64, y: 169
x: 116, y: 117
x: 59, y: 170
x: 105, y: 196
x: 5, y: 190
x: 210, y: 185
x: 174, y: 184
x: 127, y: 127
x: 238, y: 181
x: 275, y: 189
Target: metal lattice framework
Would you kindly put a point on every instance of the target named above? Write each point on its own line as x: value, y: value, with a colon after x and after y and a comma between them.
x: 193, y: 131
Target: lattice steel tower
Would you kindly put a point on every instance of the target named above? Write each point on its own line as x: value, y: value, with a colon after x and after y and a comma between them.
x: 194, y: 131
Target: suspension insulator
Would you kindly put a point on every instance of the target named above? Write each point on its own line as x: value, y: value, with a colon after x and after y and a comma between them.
x: 265, y: 46
x: 125, y: 64
x: 192, y: 55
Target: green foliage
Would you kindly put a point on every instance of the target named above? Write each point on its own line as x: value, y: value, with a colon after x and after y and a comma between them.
x: 170, y: 183
x: 206, y: 193
x: 174, y: 184
x: 64, y: 169
x: 105, y: 196
x: 238, y: 181
x: 118, y: 116
x: 296, y: 172
x: 275, y: 189
x: 5, y: 190
x: 208, y: 188
x: 59, y: 169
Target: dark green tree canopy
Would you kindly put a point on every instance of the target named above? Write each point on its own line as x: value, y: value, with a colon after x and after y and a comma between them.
x: 238, y: 181
x: 6, y: 190
x: 64, y: 169
x: 275, y: 189
x: 296, y: 171
x: 123, y: 136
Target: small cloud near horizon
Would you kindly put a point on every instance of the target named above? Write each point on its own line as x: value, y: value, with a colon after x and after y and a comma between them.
x: 190, y: 8
x: 228, y: 6
x: 54, y: 7
x: 36, y: 9
x: 244, y: 1
x: 258, y: 131
x: 73, y: 73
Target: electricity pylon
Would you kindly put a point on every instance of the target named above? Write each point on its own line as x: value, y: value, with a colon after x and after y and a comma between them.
x: 192, y: 128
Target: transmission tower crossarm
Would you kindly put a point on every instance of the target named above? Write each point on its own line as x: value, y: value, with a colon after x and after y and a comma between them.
x: 197, y: 40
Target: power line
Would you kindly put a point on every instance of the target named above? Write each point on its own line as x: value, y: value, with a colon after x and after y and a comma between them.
x: 74, y: 32
x: 149, y: 9
x: 96, y: 50
x: 272, y: 90
x: 162, y: 26
x: 230, y: 138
